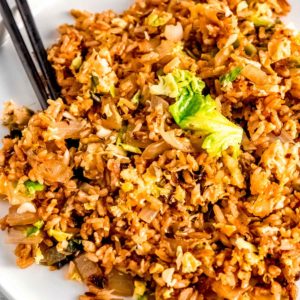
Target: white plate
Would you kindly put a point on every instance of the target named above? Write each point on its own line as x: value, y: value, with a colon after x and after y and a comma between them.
x: 37, y: 283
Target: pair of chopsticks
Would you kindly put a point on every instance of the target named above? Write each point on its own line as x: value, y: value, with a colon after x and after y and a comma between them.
x: 45, y: 85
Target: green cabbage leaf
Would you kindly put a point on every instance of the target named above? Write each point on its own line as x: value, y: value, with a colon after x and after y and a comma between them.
x: 194, y: 111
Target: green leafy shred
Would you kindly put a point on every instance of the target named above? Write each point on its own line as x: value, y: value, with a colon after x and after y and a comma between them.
x: 126, y: 147
x: 131, y: 148
x: 96, y: 97
x: 178, y: 84
x: 76, y: 63
x: 31, y: 231
x: 261, y: 15
x: 250, y: 49
x: 140, y: 290
x: 261, y: 21
x: 230, y: 76
x: 59, y: 235
x: 158, y: 18
x: 160, y: 72
x: 74, y: 245
x: 94, y: 80
x: 136, y: 97
x: 35, y: 229
x: 120, y: 135
x: 236, y: 44
x: 194, y: 111
x: 33, y: 186
x: 112, y: 90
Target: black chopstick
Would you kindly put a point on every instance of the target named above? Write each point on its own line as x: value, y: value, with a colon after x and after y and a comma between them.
x: 47, y: 86
x: 38, y: 48
x: 24, y: 55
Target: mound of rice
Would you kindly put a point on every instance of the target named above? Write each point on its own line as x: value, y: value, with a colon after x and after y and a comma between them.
x: 104, y: 179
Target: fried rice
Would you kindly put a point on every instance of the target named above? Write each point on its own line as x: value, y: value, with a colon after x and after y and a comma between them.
x: 139, y: 200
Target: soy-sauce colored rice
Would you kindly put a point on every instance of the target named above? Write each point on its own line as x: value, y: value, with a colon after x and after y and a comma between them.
x: 173, y: 223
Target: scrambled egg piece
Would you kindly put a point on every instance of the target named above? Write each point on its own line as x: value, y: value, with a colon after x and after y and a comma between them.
x: 158, y: 18
x: 38, y: 256
x: 139, y: 288
x: 97, y: 72
x: 189, y: 263
x: 59, y: 235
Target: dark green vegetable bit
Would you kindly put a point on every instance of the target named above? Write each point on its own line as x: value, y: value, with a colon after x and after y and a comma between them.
x: 230, y: 76
x: 33, y: 186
